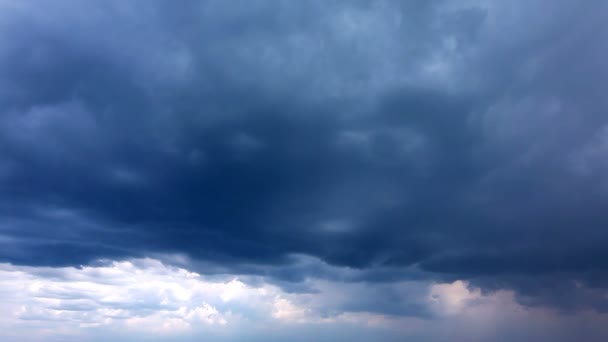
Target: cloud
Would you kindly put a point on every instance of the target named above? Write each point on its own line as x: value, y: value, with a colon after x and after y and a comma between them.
x: 146, y: 294
x: 348, y: 141
x: 149, y: 300
x: 149, y: 297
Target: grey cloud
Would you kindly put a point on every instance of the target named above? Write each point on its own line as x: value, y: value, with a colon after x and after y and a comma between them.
x: 461, y: 140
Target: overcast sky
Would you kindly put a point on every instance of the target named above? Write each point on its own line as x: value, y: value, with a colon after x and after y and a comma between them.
x: 303, y: 170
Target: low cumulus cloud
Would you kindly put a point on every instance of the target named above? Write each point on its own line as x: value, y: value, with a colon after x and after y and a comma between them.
x: 149, y: 300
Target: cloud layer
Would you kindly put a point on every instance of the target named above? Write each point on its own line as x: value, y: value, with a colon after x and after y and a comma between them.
x: 358, y: 143
x: 145, y: 299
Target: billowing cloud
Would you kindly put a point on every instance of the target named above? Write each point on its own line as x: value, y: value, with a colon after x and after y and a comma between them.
x: 149, y: 299
x: 311, y: 146
x: 147, y: 296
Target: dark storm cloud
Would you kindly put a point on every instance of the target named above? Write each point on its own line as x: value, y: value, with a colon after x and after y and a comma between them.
x: 465, y: 140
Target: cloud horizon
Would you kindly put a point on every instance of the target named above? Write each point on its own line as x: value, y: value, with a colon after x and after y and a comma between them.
x: 365, y: 164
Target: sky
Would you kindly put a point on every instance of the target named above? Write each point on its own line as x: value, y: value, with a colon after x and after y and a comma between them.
x: 248, y: 170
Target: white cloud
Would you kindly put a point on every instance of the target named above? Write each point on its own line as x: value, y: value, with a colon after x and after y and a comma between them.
x: 128, y: 295
x: 142, y: 295
x: 452, y: 298
x: 144, y: 298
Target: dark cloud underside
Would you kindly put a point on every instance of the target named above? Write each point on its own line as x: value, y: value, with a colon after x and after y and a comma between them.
x: 467, y: 140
